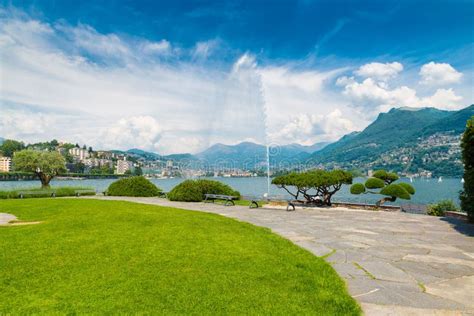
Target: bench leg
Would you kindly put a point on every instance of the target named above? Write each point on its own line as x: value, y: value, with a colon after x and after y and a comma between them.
x: 290, y: 207
x: 229, y: 203
x: 253, y: 204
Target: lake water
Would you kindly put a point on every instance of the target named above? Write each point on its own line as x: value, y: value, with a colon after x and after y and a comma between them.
x: 427, y: 190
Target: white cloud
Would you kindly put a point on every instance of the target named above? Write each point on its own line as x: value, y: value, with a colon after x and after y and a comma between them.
x: 205, y: 49
x: 24, y: 123
x: 136, y: 131
x: 443, y: 98
x: 377, y: 96
x: 439, y: 74
x: 310, y: 128
x: 161, y: 47
x: 380, y: 71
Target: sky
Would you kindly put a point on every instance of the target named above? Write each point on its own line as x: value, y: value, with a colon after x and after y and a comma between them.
x: 179, y: 76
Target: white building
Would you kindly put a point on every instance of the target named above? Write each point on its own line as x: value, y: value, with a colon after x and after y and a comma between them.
x: 5, y: 164
x: 123, y: 166
x: 97, y: 162
x: 79, y: 153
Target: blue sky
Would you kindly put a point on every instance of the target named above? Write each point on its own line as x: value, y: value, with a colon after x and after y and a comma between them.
x: 172, y: 73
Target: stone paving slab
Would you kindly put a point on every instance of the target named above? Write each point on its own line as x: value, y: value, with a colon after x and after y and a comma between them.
x: 394, y: 263
x: 6, y: 218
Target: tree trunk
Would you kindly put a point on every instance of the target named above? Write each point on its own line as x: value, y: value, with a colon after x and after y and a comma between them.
x: 45, y: 179
x: 385, y: 199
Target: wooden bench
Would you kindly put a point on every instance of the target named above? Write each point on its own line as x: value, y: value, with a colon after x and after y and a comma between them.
x: 228, y: 199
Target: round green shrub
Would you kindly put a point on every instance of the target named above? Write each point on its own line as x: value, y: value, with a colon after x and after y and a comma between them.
x: 357, y: 188
x: 395, y: 190
x: 408, y: 187
x: 194, y: 190
x: 374, y: 183
x: 441, y: 207
x: 186, y: 191
x: 385, y: 176
x: 133, y: 186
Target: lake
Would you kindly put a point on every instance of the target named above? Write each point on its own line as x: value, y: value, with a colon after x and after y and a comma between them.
x: 427, y: 190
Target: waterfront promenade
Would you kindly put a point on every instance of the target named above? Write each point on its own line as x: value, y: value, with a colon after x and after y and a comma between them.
x: 394, y: 263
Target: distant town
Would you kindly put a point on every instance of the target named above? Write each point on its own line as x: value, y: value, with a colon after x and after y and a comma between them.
x: 84, y: 160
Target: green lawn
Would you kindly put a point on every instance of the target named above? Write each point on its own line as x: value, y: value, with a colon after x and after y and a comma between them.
x: 89, y: 256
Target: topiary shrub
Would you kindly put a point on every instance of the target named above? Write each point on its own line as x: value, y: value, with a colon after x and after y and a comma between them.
x: 383, y: 180
x: 194, y: 190
x: 441, y: 207
x: 357, y: 188
x: 133, y: 186
x: 186, y: 191
x: 313, y: 185
x: 374, y: 183
x: 395, y: 190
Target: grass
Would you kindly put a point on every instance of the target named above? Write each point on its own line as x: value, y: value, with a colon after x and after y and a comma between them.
x: 40, y: 192
x: 111, y: 257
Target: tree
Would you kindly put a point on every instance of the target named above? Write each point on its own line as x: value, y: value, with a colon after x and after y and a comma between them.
x: 45, y: 164
x: 138, y: 171
x: 383, y: 180
x: 10, y: 146
x: 467, y: 146
x: 315, y: 185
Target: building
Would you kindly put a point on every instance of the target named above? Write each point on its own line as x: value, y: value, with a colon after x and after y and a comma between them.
x: 5, y: 164
x: 97, y: 163
x: 123, y: 166
x: 79, y: 153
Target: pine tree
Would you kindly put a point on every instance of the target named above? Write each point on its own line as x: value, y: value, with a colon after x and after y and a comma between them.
x: 467, y: 146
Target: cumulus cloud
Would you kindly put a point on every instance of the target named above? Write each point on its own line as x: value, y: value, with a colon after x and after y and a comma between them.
x: 204, y: 49
x: 380, y: 71
x: 161, y: 47
x: 439, y: 74
x: 377, y: 96
x: 24, y: 123
x: 136, y: 131
x: 309, y: 128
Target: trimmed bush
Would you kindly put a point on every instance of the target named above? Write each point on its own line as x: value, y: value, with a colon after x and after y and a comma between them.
x: 357, y: 188
x: 395, y: 190
x: 133, y: 186
x: 441, y: 207
x: 194, y: 190
x: 374, y: 183
x: 186, y: 191
x: 386, y: 176
x: 408, y: 187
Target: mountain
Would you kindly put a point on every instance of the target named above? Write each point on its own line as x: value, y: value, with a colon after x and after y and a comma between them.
x: 403, y: 139
x: 143, y: 153
x: 2, y: 140
x: 249, y: 155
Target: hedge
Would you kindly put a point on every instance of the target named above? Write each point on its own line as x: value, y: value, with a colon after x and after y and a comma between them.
x: 194, y: 190
x: 133, y: 186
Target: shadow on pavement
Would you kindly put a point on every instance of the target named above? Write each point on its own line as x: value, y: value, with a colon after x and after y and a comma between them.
x: 460, y: 225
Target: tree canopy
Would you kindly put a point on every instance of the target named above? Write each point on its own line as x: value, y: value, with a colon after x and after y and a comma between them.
x: 467, y: 146
x: 383, y: 180
x: 9, y: 146
x: 314, y: 185
x: 45, y: 164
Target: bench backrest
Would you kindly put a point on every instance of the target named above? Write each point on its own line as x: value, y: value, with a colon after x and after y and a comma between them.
x: 220, y: 196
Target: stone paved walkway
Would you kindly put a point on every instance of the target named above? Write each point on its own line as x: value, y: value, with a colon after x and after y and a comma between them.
x: 394, y: 263
x: 6, y: 218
